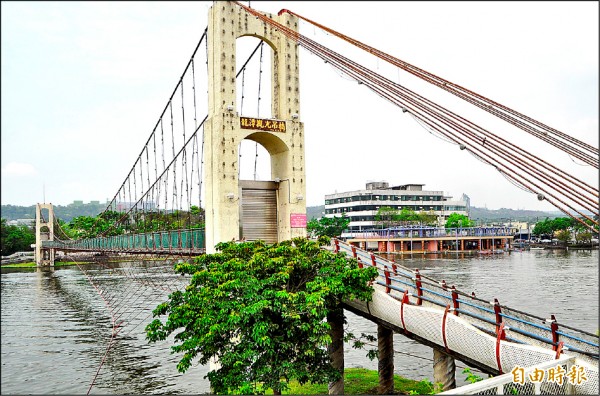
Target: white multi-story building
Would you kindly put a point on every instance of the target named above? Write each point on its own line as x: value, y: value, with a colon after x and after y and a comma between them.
x: 361, y: 206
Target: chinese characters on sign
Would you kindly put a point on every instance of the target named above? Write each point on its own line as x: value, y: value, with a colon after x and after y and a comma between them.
x: 298, y: 220
x: 262, y: 125
x: 575, y: 375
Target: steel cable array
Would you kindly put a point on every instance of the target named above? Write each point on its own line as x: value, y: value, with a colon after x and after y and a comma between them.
x: 162, y: 191
x: 161, y: 194
x: 564, y: 191
x: 580, y: 150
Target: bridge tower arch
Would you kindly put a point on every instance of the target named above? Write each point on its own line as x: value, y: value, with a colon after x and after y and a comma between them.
x: 232, y: 206
x: 44, y: 256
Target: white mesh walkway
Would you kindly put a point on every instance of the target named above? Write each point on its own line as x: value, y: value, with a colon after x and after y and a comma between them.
x: 496, y: 337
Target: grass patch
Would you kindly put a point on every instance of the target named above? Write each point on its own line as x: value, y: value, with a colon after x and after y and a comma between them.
x: 360, y: 381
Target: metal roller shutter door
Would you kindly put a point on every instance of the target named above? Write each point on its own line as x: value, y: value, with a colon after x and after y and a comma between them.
x: 259, y: 215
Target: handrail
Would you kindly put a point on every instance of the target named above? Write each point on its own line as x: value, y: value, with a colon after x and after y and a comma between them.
x: 398, y: 279
x: 178, y: 241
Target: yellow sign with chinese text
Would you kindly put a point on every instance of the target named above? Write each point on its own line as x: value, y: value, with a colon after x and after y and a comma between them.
x: 262, y: 124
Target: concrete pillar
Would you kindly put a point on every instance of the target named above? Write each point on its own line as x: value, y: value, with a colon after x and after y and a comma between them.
x: 444, y: 370
x: 336, y: 349
x: 390, y: 246
x: 44, y: 256
x: 282, y: 136
x: 385, y: 367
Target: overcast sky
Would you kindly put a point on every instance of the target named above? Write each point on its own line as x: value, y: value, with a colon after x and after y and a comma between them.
x: 83, y: 84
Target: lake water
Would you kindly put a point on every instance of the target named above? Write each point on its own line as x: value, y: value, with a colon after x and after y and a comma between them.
x: 55, y: 328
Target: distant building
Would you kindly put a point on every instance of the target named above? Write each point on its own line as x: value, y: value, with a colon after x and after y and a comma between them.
x: 125, y: 206
x: 361, y: 206
x: 17, y: 222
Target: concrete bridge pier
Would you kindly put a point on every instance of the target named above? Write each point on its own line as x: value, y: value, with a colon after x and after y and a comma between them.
x: 385, y: 367
x: 335, y: 319
x: 44, y: 231
x: 444, y: 370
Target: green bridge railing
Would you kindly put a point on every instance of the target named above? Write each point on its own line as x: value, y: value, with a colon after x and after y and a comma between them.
x: 190, y: 240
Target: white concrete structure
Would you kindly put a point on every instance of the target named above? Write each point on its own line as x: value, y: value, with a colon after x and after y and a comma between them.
x: 44, y: 256
x: 275, y: 210
x: 361, y: 206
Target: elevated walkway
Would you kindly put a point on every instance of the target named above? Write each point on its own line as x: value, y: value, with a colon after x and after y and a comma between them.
x: 486, y: 335
x: 175, y: 242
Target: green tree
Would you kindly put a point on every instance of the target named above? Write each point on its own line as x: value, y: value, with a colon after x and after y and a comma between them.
x: 15, y: 238
x: 328, y: 226
x: 543, y: 227
x: 458, y: 220
x: 583, y: 237
x: 260, y: 310
x: 548, y: 227
x: 387, y: 216
x: 562, y: 223
x: 564, y: 236
x: 408, y: 215
x: 427, y: 218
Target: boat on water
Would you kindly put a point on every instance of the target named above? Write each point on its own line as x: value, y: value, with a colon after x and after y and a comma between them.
x: 537, y: 248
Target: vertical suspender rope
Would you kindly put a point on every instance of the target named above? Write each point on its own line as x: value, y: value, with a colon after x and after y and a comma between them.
x: 258, y: 106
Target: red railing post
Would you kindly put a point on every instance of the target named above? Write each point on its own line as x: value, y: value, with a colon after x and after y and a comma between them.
x: 497, y: 311
x: 418, y: 286
x: 559, y: 349
x: 404, y: 300
x: 373, y: 260
x: 353, y: 251
x: 388, y: 281
x: 444, y: 327
x: 554, y: 329
x: 501, y: 336
x: 336, y: 244
x: 455, y: 304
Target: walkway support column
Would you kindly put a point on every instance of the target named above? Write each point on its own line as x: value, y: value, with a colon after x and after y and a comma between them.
x: 385, y: 367
x: 335, y: 319
x: 444, y: 370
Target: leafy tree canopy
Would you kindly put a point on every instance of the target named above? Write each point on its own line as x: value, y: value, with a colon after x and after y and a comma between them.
x: 563, y: 236
x: 328, y: 226
x: 15, y: 238
x: 387, y: 217
x: 549, y: 226
x: 584, y: 237
x: 260, y: 310
x: 458, y: 220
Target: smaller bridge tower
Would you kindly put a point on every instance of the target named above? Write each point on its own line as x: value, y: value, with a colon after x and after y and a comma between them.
x: 44, y: 231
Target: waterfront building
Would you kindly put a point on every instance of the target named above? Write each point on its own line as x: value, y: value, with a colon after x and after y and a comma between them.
x: 361, y: 206
x: 18, y: 222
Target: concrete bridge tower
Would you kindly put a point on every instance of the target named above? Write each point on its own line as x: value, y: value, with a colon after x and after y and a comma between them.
x: 44, y: 231
x: 272, y: 210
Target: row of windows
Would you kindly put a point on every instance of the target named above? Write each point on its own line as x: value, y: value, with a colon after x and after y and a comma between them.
x: 456, y: 208
x: 361, y: 208
x: 371, y: 197
x: 361, y: 218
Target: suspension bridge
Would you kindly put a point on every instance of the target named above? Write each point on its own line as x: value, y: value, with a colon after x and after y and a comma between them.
x: 184, y: 194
